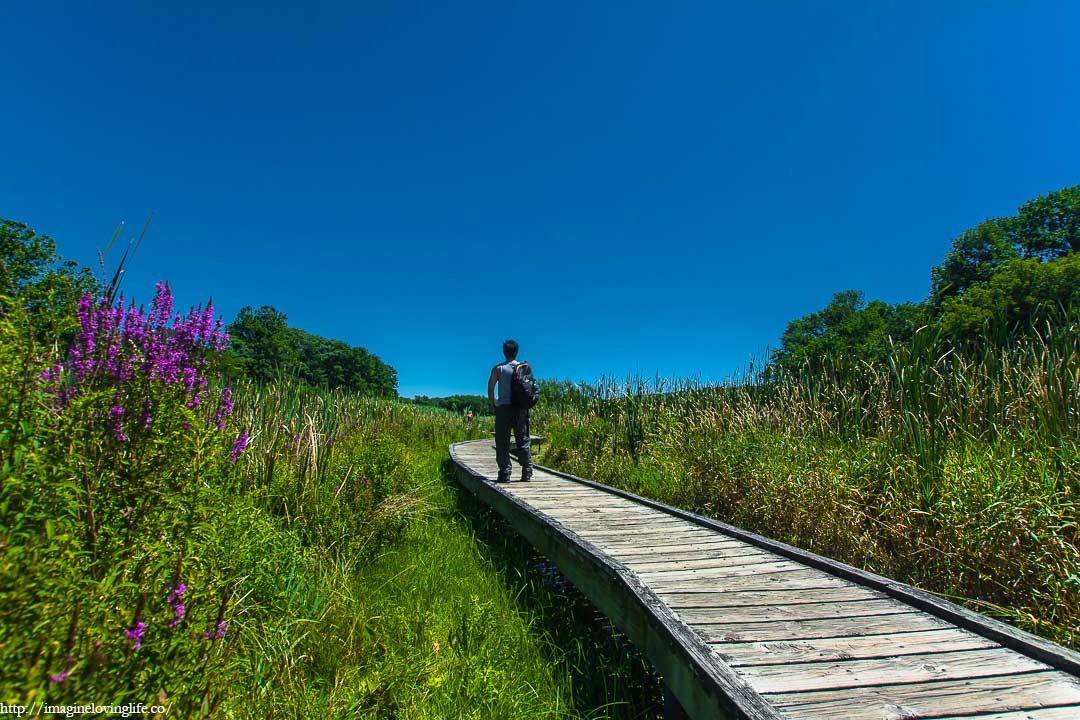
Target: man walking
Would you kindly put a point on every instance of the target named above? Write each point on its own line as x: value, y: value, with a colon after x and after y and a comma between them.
x: 507, y: 416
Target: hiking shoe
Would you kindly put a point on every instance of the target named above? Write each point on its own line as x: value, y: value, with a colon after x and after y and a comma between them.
x: 526, y: 478
x: 502, y: 479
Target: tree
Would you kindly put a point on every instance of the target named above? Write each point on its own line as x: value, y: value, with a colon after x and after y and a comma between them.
x: 1049, y: 227
x: 263, y: 344
x: 1045, y: 228
x: 1019, y: 295
x: 848, y: 327
x: 975, y: 256
x: 261, y: 340
x: 46, y: 285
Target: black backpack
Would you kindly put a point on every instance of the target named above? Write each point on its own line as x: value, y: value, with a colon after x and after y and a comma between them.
x: 523, y: 390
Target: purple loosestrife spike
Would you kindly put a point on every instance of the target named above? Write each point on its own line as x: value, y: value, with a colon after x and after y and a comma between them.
x: 136, y: 633
x: 163, y: 305
x: 206, y: 323
x: 177, y: 604
x: 218, y: 632
x: 239, y: 446
x: 225, y: 407
x: 117, y: 412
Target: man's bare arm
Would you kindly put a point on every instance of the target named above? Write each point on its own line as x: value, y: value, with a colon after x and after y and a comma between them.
x: 492, y: 380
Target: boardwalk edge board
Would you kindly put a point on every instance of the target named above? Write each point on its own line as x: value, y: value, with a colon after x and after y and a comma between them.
x: 706, y: 686
x: 1008, y: 636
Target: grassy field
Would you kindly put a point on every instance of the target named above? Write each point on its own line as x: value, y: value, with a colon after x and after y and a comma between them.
x: 954, y: 471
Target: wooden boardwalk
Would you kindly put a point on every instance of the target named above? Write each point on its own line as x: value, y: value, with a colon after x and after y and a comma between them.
x: 741, y: 626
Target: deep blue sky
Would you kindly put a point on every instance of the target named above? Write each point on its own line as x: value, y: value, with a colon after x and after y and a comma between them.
x: 668, y: 183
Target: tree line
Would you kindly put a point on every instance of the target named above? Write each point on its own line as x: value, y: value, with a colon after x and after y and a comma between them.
x: 1000, y: 279
x: 262, y: 346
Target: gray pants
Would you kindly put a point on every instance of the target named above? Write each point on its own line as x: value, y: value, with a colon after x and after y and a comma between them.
x: 507, y: 417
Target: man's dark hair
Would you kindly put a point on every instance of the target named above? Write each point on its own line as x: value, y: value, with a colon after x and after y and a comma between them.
x: 510, y: 349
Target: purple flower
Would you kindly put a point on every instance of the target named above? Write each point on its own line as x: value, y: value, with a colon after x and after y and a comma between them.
x: 225, y: 407
x: 136, y: 633
x: 177, y: 604
x: 60, y: 677
x: 219, y: 633
x: 117, y: 413
x: 163, y: 305
x: 239, y: 446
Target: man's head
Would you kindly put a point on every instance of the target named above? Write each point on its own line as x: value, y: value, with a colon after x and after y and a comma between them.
x: 510, y: 349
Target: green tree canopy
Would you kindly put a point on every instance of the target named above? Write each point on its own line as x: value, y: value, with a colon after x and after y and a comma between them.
x: 263, y: 344
x: 848, y: 327
x: 46, y: 285
x: 1045, y: 228
x: 261, y: 341
x: 1020, y: 294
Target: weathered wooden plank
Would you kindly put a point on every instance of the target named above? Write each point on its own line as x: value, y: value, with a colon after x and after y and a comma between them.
x: 795, y: 580
x: 721, y: 573
x: 579, y: 502
x: 945, y: 698
x: 601, y: 506
x: 782, y: 652
x: 739, y: 598
x: 612, y: 516
x: 629, y: 525
x: 632, y: 536
x: 616, y: 505
x: 578, y: 506
x: 1059, y: 713
x: 688, y: 551
x: 641, y: 538
x: 661, y: 529
x: 654, y: 548
x: 714, y: 560
x: 711, y: 541
x: 609, y: 518
x: 823, y: 628
x: 806, y: 611
x: 960, y: 665
x: 539, y: 491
